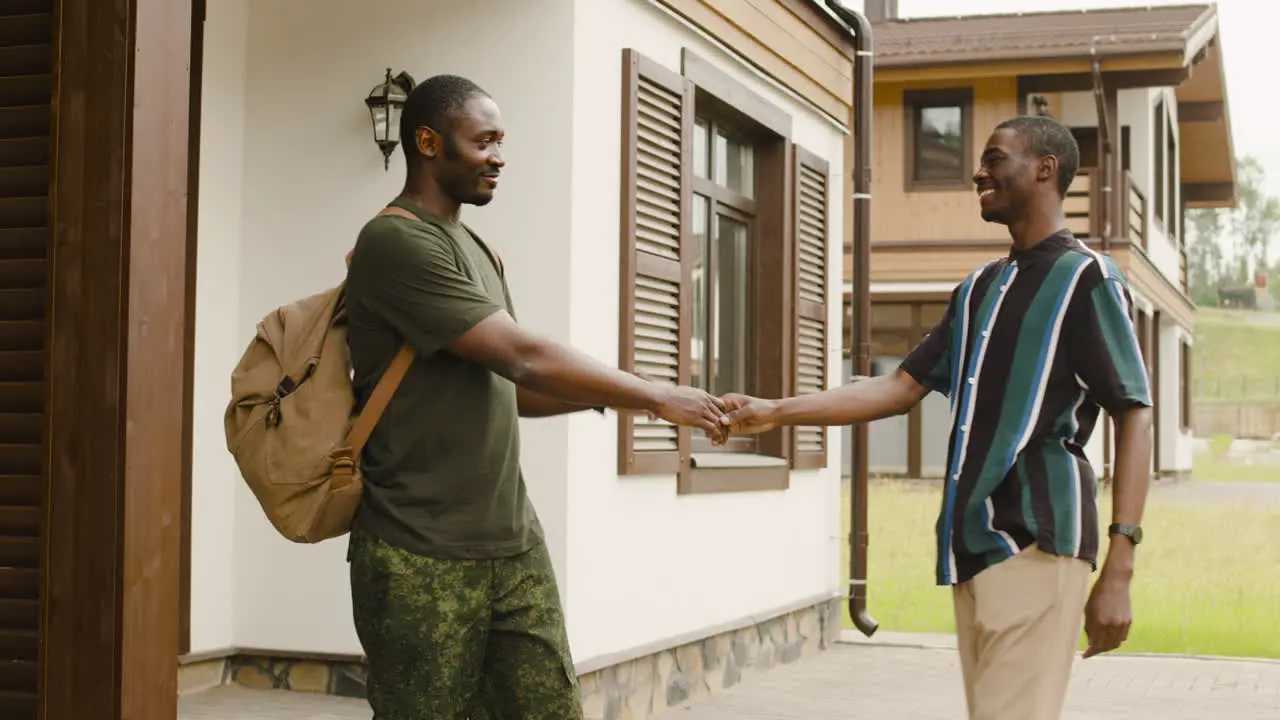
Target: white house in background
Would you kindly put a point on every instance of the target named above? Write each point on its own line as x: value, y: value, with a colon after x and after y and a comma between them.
x: 1153, y: 126
x: 675, y: 201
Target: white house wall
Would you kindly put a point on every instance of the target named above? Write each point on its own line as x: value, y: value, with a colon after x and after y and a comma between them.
x: 1136, y: 109
x: 645, y: 564
x: 1161, y: 249
x: 289, y: 174
x: 1176, y: 444
x: 220, y: 334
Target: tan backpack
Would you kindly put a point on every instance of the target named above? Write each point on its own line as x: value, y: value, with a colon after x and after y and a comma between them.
x: 289, y: 424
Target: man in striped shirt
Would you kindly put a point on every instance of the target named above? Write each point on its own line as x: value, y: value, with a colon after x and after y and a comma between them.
x: 1032, y: 346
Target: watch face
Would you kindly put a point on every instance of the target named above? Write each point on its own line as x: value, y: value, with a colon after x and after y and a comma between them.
x: 1133, y: 531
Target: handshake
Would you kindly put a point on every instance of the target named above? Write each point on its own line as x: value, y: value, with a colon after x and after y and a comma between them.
x: 719, y: 417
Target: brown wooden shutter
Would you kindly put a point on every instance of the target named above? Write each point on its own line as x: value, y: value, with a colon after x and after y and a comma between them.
x: 809, y: 321
x: 25, y: 93
x: 656, y: 262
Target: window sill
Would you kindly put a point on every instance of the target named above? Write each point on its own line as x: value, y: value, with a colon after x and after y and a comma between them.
x: 723, y: 472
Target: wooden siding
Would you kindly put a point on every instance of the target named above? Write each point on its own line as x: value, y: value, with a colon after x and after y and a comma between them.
x: 913, y: 264
x: 786, y: 39
x: 917, y: 262
x: 930, y: 215
x: 1146, y: 280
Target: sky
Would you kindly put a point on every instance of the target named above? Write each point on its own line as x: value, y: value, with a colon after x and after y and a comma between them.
x: 1246, y: 30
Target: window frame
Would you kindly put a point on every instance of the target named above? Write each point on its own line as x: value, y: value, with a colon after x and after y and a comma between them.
x: 913, y: 101
x: 702, y: 92
x: 724, y: 201
x: 1185, y: 381
x: 723, y: 103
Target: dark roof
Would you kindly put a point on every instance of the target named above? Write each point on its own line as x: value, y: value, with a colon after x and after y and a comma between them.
x: 1041, y: 35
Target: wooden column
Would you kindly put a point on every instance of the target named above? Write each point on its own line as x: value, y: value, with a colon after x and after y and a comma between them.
x: 915, y: 418
x: 116, y: 363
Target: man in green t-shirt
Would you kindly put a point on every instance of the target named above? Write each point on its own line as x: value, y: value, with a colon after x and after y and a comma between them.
x: 454, y: 596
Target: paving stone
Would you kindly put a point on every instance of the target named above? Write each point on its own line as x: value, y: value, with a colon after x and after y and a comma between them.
x: 882, y: 682
x: 878, y: 682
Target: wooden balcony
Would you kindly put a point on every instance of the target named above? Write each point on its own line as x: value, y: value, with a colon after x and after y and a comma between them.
x: 1134, y: 226
x: 1085, y: 198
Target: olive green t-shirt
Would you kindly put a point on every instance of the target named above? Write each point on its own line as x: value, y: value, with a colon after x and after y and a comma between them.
x: 442, y: 467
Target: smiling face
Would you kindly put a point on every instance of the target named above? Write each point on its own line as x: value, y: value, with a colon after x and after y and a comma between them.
x: 467, y: 160
x: 1010, y: 178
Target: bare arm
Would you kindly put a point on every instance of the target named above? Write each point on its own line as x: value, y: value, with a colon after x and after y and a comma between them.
x: 1132, y: 481
x: 858, y: 402
x: 535, y: 405
x: 1108, y: 614
x: 557, y: 371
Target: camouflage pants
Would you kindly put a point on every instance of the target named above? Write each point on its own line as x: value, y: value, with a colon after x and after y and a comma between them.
x: 461, y: 639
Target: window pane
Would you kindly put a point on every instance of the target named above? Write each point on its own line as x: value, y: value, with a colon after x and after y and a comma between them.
x: 701, y: 277
x: 735, y: 167
x: 731, y: 312
x: 939, y: 143
x: 700, y: 149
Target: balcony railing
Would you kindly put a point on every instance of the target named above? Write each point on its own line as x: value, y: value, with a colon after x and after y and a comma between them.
x: 1084, y: 200
x: 1135, y: 213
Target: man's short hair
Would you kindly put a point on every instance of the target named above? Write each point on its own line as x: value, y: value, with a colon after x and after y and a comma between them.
x: 435, y: 103
x: 1046, y: 136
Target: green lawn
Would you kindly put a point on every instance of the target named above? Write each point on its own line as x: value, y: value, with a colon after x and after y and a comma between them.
x: 1206, y: 581
x: 1236, y: 355
x: 1207, y: 467
x: 1215, y: 465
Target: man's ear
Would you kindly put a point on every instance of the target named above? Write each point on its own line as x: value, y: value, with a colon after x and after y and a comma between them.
x: 1047, y: 168
x: 428, y: 141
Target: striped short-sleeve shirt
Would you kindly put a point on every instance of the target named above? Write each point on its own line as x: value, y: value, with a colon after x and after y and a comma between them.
x: 1030, y: 348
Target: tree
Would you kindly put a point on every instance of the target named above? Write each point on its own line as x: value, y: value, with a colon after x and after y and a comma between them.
x: 1205, y: 259
x: 1212, y: 258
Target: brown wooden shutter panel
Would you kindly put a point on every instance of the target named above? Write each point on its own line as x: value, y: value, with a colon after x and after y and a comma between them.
x: 656, y: 262
x: 809, y: 326
x: 24, y: 327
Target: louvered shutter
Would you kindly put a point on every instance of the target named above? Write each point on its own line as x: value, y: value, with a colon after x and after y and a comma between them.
x: 25, y: 94
x: 809, y: 321
x: 654, y: 323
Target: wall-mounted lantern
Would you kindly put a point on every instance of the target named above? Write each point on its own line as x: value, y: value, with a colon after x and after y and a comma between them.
x: 385, y: 103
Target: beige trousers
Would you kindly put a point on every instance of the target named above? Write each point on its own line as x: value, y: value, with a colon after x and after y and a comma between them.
x: 1018, y: 625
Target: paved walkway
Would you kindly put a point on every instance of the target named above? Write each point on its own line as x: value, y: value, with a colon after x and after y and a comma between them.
x: 879, y: 682
x: 890, y: 682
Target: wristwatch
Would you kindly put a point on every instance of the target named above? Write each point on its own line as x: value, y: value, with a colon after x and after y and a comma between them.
x: 1133, y: 532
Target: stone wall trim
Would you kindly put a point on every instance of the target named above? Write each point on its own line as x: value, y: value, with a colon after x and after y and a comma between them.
x: 600, y: 662
x: 636, y: 688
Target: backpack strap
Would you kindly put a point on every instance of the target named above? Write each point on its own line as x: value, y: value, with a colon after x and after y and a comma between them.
x: 378, y: 399
x: 364, y: 423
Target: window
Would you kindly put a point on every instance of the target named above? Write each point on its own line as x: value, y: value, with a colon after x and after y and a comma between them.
x: 1171, y: 181
x: 1184, y: 377
x: 724, y: 215
x: 1158, y: 128
x: 939, y: 135
x: 1164, y: 198
x: 724, y: 269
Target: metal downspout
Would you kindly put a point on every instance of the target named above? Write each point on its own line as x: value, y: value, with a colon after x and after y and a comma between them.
x: 1108, y: 152
x: 861, y: 241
